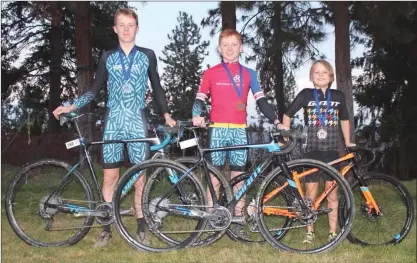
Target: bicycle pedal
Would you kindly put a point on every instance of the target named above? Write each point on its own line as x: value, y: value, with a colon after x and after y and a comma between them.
x: 325, y: 210
x: 130, y: 211
x: 239, y: 220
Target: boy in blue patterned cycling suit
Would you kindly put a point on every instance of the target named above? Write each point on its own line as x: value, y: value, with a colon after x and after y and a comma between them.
x: 126, y: 69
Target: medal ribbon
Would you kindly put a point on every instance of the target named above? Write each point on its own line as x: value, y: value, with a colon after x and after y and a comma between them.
x: 126, y: 72
x: 240, y: 90
x: 323, y: 117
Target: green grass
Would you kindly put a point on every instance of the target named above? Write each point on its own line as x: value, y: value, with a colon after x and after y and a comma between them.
x: 15, y: 250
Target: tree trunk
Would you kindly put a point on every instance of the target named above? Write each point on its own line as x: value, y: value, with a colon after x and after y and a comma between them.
x: 277, y: 60
x: 342, y: 56
x: 83, y: 48
x: 55, y: 66
x: 228, y: 11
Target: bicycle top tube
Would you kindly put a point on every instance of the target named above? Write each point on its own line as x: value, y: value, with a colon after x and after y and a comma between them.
x: 272, y: 146
x: 156, y: 144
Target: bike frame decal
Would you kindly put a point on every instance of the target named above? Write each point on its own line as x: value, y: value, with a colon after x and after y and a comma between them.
x: 369, y: 199
x: 173, y: 177
x: 248, y: 182
x: 76, y: 208
x: 184, y: 210
x: 131, y: 182
x: 271, y: 147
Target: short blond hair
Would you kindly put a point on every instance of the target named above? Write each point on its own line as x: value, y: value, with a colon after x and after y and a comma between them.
x: 327, y: 65
x: 126, y: 12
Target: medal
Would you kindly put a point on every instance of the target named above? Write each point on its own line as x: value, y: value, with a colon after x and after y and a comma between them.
x: 322, y: 133
x: 240, y: 106
x: 126, y: 87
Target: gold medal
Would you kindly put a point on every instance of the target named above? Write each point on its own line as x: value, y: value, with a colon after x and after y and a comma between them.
x: 240, y: 106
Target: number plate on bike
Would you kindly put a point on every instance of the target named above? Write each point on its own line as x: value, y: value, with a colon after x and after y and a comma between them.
x: 72, y: 144
x: 188, y: 143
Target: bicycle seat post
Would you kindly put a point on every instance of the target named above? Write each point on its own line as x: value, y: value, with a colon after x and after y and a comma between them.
x: 77, y: 128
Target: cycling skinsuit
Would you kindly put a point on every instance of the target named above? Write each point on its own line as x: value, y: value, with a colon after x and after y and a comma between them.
x: 125, y: 118
x: 325, y: 150
x: 227, y: 114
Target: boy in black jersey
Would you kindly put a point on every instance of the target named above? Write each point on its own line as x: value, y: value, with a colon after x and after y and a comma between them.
x: 323, y: 108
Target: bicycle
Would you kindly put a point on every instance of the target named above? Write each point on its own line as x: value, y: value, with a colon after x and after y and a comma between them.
x: 63, y: 201
x: 161, y: 209
x: 369, y: 207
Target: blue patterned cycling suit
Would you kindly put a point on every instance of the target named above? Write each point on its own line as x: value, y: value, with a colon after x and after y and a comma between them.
x: 221, y: 137
x: 125, y: 118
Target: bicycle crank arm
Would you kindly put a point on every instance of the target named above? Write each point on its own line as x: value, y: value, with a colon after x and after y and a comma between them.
x: 179, y: 210
x: 91, y: 213
x: 324, y: 210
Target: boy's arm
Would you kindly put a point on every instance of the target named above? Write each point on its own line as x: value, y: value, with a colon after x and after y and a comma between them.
x: 100, y: 78
x: 201, y: 96
x: 344, y: 119
x: 296, y: 105
x: 260, y: 99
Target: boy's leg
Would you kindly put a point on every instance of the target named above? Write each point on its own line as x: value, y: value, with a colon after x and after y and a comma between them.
x: 238, y: 159
x: 217, y: 138
x: 333, y: 198
x: 312, y: 182
x: 138, y: 152
x: 112, y: 161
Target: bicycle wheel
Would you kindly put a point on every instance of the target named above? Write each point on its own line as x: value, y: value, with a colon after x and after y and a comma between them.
x: 394, y: 201
x: 213, y: 232
x: 252, y: 233
x: 189, y: 194
x: 28, y: 195
x: 283, y: 222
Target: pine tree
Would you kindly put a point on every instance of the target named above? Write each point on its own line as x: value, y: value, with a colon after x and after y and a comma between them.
x: 183, y: 58
x: 27, y: 48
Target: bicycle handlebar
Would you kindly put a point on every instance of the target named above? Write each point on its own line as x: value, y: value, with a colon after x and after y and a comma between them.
x: 294, y: 134
x: 372, y: 151
x: 180, y: 126
x: 169, y: 132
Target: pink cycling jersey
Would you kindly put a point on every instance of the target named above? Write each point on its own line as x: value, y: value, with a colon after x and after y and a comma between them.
x: 224, y: 98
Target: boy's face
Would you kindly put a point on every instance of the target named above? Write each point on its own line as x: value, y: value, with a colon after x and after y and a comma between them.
x: 321, y: 76
x: 230, y: 48
x: 126, y: 28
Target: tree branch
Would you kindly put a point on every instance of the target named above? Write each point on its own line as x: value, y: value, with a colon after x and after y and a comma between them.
x: 247, y: 22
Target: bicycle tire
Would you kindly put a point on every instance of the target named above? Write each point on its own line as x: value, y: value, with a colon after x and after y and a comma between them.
x: 396, y: 235
x: 10, y: 203
x: 160, y: 164
x: 227, y: 194
x: 344, y: 229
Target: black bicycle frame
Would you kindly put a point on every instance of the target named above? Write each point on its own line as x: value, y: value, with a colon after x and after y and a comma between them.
x: 273, y: 146
x: 86, y: 145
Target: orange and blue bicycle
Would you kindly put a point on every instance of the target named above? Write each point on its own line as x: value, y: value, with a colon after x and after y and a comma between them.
x: 384, y: 207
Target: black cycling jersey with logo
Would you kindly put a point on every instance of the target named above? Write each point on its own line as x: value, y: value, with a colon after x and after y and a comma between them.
x: 337, y: 111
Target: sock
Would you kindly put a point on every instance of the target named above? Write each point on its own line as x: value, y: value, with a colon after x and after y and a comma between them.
x: 141, y: 224
x: 107, y: 228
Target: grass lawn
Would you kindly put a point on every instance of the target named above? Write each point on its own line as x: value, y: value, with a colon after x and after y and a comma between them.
x: 15, y: 250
